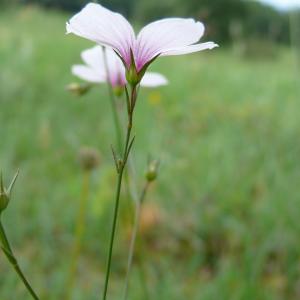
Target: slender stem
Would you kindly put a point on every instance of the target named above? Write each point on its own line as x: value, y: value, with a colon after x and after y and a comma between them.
x: 126, y: 152
x: 4, y: 239
x: 13, y: 261
x: 79, y: 233
x: 129, y: 184
x: 112, y: 235
x: 118, y: 123
x: 134, y: 236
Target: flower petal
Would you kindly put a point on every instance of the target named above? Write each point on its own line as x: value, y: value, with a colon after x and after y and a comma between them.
x: 88, y: 74
x: 164, y: 35
x: 107, y: 28
x: 151, y: 79
x: 93, y: 57
x: 116, y: 69
x: 190, y: 49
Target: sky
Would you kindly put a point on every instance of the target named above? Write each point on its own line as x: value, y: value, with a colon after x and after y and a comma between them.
x: 283, y: 4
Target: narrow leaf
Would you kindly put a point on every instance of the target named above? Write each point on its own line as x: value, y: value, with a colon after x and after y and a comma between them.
x: 115, y: 158
x: 13, y: 182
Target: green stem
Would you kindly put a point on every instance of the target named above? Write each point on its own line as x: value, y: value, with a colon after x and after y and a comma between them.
x: 79, y: 232
x: 134, y: 236
x: 117, y: 122
x: 131, y: 190
x: 120, y: 171
x: 13, y: 261
x: 4, y: 239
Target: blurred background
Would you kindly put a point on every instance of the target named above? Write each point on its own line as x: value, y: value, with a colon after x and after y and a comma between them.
x: 222, y: 220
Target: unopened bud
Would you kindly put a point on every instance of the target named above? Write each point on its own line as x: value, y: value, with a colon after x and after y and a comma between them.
x: 152, y: 171
x: 89, y: 158
x: 4, y: 199
x: 5, y: 193
x: 78, y: 89
x: 118, y: 90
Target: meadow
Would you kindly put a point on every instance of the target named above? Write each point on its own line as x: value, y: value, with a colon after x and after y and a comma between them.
x: 222, y: 220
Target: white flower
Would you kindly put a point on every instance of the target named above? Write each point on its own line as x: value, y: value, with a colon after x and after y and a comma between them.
x: 173, y: 36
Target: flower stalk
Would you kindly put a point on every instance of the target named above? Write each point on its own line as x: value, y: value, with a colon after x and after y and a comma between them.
x: 120, y: 168
x: 13, y: 261
x: 5, y: 195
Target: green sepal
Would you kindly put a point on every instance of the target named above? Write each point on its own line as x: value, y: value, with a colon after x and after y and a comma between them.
x: 132, y: 75
x: 145, y: 67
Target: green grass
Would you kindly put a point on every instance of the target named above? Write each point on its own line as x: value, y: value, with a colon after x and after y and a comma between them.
x: 227, y: 200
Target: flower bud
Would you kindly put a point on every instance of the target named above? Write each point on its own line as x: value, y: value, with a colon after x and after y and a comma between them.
x: 4, y: 198
x: 89, y: 158
x: 118, y: 91
x: 5, y: 193
x: 152, y: 171
x: 78, y: 89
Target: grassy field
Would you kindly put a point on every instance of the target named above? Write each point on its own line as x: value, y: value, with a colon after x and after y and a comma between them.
x: 221, y: 222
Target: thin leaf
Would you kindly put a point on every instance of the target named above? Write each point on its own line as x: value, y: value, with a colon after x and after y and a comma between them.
x: 13, y: 182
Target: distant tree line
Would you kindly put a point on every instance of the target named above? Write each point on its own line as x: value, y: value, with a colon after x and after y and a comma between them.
x: 224, y: 18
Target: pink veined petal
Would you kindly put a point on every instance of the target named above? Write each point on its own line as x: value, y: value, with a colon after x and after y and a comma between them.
x: 190, y: 49
x: 88, y: 74
x: 116, y: 68
x: 152, y: 79
x: 107, y: 28
x: 166, y: 34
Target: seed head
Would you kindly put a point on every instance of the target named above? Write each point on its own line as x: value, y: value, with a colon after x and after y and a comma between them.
x: 89, y: 158
x: 152, y: 171
x: 78, y: 89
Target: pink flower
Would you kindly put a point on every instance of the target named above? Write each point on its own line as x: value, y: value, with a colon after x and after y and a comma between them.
x: 95, y: 71
x: 173, y: 36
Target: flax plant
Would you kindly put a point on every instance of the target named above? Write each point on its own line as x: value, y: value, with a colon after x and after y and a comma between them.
x: 173, y: 36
